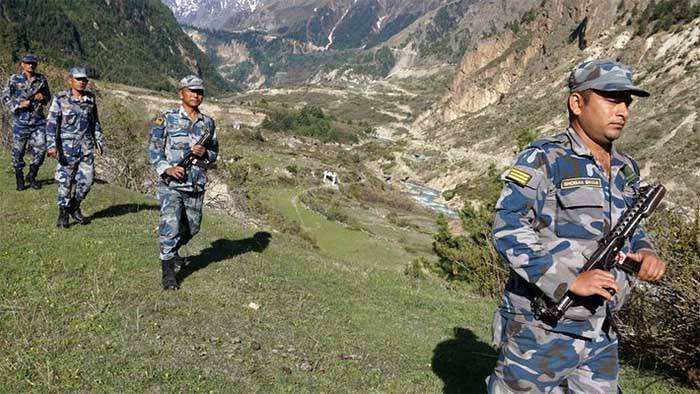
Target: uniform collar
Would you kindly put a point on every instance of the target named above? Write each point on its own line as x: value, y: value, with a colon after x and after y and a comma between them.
x: 85, y: 98
x: 23, y: 76
x: 183, y: 114
x: 579, y: 147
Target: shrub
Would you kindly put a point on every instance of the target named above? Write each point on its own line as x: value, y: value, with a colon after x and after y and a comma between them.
x: 448, y: 194
x: 326, y: 203
x: 415, y: 269
x: 126, y: 138
x: 524, y: 138
x: 310, y: 121
x: 471, y: 257
x: 661, y: 323
x: 371, y: 194
x: 397, y: 221
x: 664, y: 14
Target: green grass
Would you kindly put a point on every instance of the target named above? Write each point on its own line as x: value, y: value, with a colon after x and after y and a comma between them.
x: 81, y: 309
x: 357, y: 249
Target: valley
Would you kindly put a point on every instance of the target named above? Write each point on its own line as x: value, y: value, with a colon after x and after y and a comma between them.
x: 298, y: 284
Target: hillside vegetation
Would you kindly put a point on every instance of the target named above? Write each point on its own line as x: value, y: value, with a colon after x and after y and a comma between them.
x: 258, y: 311
x: 133, y: 42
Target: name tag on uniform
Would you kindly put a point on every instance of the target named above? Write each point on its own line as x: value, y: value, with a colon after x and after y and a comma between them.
x: 580, y: 182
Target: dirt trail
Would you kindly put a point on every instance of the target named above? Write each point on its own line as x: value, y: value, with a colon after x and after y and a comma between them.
x: 224, y: 113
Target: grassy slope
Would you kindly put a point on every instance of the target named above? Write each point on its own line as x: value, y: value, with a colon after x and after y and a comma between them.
x: 81, y: 309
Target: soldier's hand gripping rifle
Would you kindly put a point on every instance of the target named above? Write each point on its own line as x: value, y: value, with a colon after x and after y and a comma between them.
x: 191, y: 158
x: 34, y: 89
x: 609, y: 254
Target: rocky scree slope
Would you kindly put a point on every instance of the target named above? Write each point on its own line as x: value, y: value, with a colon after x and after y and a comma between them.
x: 513, y: 85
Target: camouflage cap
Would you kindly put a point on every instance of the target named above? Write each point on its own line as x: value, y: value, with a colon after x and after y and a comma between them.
x: 78, y: 72
x: 192, y: 82
x: 30, y: 58
x: 605, y: 75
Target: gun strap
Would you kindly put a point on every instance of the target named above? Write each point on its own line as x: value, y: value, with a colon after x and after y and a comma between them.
x: 610, y: 322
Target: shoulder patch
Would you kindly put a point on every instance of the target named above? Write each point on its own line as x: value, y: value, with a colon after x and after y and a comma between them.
x: 159, y: 120
x: 630, y: 173
x: 518, y: 176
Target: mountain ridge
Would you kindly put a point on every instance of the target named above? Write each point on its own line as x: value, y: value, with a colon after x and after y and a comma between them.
x: 138, y: 43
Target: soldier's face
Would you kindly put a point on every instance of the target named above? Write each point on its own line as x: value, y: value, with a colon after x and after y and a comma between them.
x: 603, y: 115
x: 29, y: 68
x: 191, y: 97
x: 78, y: 84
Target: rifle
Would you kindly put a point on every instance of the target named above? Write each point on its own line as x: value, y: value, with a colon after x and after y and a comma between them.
x: 608, y: 255
x: 32, y: 91
x: 191, y: 158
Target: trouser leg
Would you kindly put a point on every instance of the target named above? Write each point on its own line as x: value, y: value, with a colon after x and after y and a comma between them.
x: 20, y: 139
x: 191, y: 216
x: 599, y: 372
x: 533, y: 360
x: 84, y: 178
x: 37, y: 144
x: 65, y: 177
x: 171, y: 207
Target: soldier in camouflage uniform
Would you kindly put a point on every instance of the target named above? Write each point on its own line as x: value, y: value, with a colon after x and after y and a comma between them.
x: 174, y: 136
x: 74, y: 134
x: 561, y: 196
x: 26, y: 95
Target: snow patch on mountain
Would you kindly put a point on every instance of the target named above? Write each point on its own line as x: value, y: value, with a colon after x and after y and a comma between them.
x: 188, y: 11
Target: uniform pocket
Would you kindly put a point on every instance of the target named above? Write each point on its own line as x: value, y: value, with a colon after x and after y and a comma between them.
x: 179, y: 140
x: 70, y: 117
x: 580, y: 213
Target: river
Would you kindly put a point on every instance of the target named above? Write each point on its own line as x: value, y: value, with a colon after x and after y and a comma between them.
x: 426, y: 197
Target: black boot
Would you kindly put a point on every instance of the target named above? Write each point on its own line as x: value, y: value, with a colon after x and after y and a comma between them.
x: 31, y: 177
x: 169, y: 280
x: 20, y: 180
x: 76, y: 213
x: 62, y: 221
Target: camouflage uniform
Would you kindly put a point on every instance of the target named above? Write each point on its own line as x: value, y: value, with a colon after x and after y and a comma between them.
x: 173, y: 135
x: 73, y: 129
x: 27, y: 123
x: 556, y: 204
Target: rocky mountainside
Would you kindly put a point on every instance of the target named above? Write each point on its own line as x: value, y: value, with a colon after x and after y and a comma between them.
x: 512, y: 87
x: 133, y: 42
x: 337, y: 24
x: 311, y: 40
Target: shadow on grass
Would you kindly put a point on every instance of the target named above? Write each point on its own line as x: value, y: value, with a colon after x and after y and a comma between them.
x: 123, y: 209
x: 463, y: 362
x: 224, y: 249
x: 46, y: 182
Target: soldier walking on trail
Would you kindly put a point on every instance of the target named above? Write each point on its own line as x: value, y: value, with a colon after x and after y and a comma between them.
x: 74, y: 134
x: 561, y: 196
x: 177, y: 135
x: 26, y: 95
